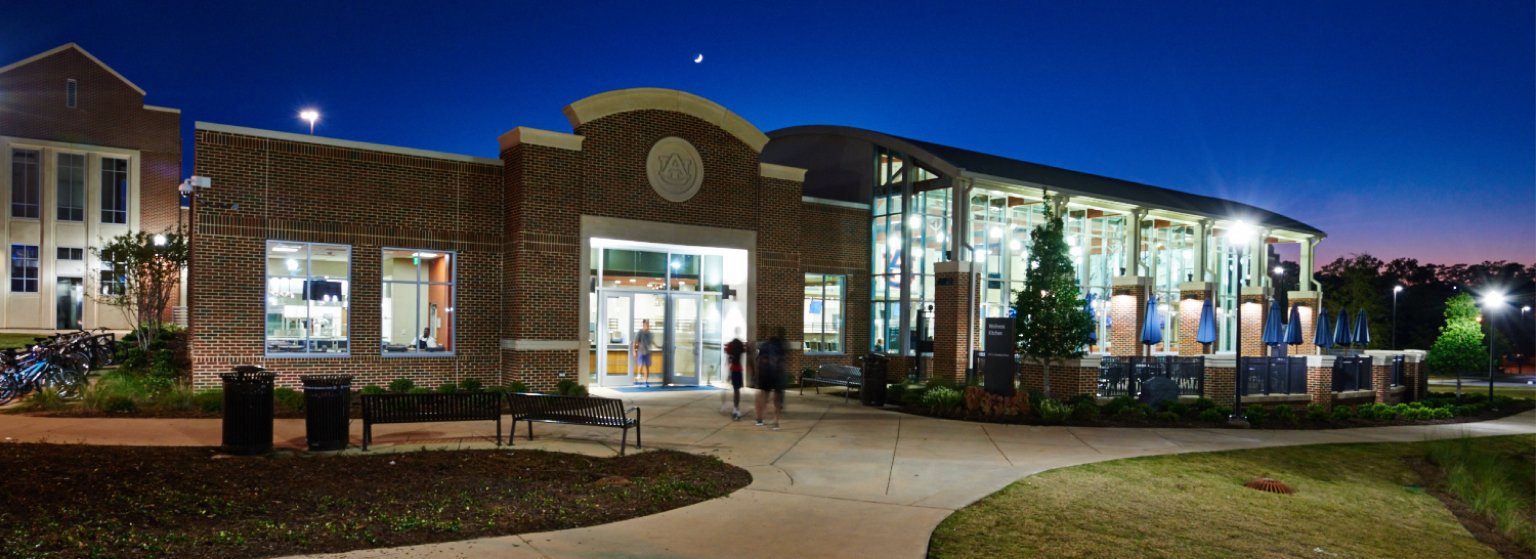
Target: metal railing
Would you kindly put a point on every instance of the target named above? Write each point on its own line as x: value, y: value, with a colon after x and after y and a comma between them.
x: 1273, y: 375
x: 1123, y: 376
x: 1351, y: 373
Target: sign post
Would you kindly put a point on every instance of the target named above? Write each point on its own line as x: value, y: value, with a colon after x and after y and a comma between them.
x: 997, y: 362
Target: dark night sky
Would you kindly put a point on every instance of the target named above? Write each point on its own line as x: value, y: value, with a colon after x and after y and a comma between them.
x: 1401, y: 128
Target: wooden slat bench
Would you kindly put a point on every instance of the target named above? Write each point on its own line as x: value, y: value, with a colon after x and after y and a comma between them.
x: 833, y: 375
x: 574, y: 410
x: 429, y: 408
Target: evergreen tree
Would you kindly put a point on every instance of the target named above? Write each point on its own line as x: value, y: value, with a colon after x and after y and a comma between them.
x: 1052, y: 322
x: 1460, y: 346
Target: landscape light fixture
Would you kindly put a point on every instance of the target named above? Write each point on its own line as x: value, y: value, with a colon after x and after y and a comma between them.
x: 1491, y: 302
x: 159, y: 240
x: 1238, y: 236
x: 310, y: 115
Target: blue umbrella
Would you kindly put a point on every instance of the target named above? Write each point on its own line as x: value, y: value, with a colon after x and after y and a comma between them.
x: 1362, y: 329
x: 1273, y: 335
x: 1093, y: 335
x: 1320, y: 336
x: 1341, y: 329
x: 1206, y: 334
x: 1152, y: 331
x: 1293, y: 327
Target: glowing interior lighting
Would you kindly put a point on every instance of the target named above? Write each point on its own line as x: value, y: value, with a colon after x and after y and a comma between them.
x: 160, y: 240
x: 996, y: 232
x: 293, y: 264
x: 1016, y: 245
x: 1240, y: 233
x: 1076, y: 251
x: 676, y: 265
x: 915, y: 222
x: 285, y: 248
x: 425, y: 254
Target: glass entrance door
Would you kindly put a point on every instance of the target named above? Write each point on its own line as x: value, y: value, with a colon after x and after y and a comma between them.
x: 649, y: 330
x: 683, y: 340
x: 71, y: 302
x: 615, y: 341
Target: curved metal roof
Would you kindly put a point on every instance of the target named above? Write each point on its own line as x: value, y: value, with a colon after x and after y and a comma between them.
x: 953, y: 161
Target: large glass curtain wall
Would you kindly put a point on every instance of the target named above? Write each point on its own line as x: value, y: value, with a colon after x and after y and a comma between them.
x: 620, y: 270
x: 910, y: 231
x: 1168, y: 257
x: 1228, y: 286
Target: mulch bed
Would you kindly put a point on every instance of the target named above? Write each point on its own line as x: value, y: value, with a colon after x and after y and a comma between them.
x: 102, y: 501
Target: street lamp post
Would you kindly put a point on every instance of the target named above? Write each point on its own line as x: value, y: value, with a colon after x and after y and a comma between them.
x: 311, y: 116
x: 1239, y: 236
x: 1491, y: 302
x: 1395, y: 290
x: 1523, y: 310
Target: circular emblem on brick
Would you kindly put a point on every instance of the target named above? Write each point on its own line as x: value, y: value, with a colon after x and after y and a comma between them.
x: 675, y: 169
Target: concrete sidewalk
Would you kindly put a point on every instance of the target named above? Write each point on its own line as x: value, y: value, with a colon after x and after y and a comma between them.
x: 839, y: 480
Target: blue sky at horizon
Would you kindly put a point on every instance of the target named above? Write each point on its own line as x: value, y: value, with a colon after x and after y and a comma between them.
x: 1401, y: 129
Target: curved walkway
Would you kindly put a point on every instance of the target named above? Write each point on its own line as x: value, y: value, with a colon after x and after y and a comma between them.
x: 839, y: 480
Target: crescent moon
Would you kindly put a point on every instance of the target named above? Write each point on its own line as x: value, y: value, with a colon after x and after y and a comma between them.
x: 698, y: 59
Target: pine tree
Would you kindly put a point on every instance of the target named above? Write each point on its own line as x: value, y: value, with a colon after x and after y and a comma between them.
x: 1052, y: 322
x: 1460, y: 345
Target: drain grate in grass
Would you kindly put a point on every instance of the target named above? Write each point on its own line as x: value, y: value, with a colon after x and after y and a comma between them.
x: 1270, y: 486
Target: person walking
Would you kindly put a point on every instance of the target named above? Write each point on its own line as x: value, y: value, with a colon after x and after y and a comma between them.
x: 644, y: 341
x: 770, y: 377
x: 734, y: 350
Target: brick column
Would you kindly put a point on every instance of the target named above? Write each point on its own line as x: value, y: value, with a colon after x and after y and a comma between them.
x: 1414, y: 377
x: 1221, y: 378
x: 955, y: 286
x: 1068, y: 378
x: 1320, y: 380
x: 1381, y: 378
x: 1309, y: 302
x: 1255, y: 302
x: 1192, y: 296
x: 1127, y: 312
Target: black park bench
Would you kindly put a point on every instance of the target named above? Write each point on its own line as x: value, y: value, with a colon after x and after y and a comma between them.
x: 574, y: 410
x: 430, y: 408
x: 833, y: 375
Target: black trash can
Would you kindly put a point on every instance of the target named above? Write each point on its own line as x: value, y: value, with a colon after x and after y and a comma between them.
x: 872, y: 379
x: 248, y: 410
x: 327, y: 398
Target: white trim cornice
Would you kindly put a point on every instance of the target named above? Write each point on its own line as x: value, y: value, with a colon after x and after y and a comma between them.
x: 305, y: 138
x: 654, y: 98
x: 781, y: 172
x: 62, y: 48
x: 538, y: 137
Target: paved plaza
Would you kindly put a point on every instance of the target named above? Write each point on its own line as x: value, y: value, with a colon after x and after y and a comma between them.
x: 838, y: 480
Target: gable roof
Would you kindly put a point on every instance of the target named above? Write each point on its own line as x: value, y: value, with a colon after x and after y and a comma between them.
x: 62, y: 48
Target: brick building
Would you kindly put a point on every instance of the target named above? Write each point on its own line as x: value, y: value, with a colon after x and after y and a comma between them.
x: 86, y: 160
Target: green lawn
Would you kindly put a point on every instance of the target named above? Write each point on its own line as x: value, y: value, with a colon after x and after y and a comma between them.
x: 18, y: 339
x: 1351, y: 501
x: 1526, y: 392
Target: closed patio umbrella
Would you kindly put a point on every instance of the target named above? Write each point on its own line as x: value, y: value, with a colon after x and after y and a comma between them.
x: 1273, y: 335
x: 1362, y: 329
x: 1341, y: 330
x: 1321, y: 337
x: 1093, y: 335
x: 1206, y: 333
x: 1152, y: 330
x: 1293, y: 327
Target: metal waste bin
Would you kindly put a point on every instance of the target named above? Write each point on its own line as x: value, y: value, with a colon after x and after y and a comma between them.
x: 327, y: 399
x: 248, y: 410
x: 872, y: 379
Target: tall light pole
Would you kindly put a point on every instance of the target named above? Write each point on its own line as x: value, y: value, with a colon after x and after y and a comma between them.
x: 1491, y: 302
x: 311, y: 116
x: 1395, y: 290
x: 1523, y: 310
x: 1239, y: 235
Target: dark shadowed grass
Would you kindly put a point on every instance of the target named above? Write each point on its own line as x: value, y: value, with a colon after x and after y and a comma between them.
x: 1360, y: 500
x: 1496, y: 481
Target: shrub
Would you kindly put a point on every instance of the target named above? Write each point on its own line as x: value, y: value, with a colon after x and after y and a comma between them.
x: 1085, y: 411
x: 1365, y: 411
x: 401, y: 385
x: 1284, y: 415
x: 1223, y: 410
x: 1115, y: 406
x: 1132, y: 413
x: 577, y: 390
x: 472, y: 385
x: 987, y: 405
x: 565, y: 386
x: 1212, y: 416
x: 1343, y: 413
x: 210, y: 401
x: 1052, y: 411
x: 447, y: 388
x: 517, y: 386
x: 1083, y: 398
x: 1256, y: 414
x: 1202, y: 403
x: 119, y: 404
x: 1176, y: 408
x: 419, y: 390
x: 942, y: 400
x: 288, y: 399
x: 914, y: 395
x: 1167, y: 417
x: 45, y: 399
x: 1442, y: 413
x: 180, y: 397
x: 111, y: 384
x: 374, y: 389
x: 1316, y: 412
x: 894, y: 392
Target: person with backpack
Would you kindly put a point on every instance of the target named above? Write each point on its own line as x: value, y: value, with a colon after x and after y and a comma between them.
x: 771, y: 379
x: 734, y: 350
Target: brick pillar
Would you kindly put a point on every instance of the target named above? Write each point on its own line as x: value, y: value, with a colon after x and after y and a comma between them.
x: 1221, y: 378
x: 1308, y: 302
x: 1127, y: 312
x: 955, y: 286
x: 1255, y: 305
x: 1192, y: 296
x: 1320, y: 380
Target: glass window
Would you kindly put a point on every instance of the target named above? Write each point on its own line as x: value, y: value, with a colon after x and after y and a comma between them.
x: 71, y: 187
x: 24, y: 268
x: 684, y: 272
x: 823, y: 313
x: 308, y: 286
x: 68, y: 253
x: 113, y: 282
x: 635, y: 269
x: 417, y: 312
x: 26, y: 182
x: 114, y: 190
